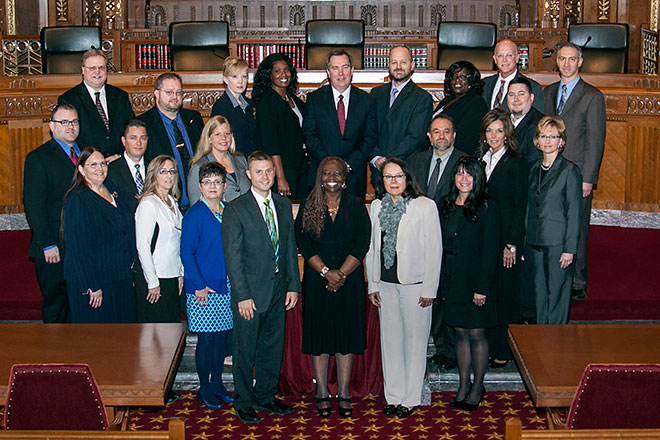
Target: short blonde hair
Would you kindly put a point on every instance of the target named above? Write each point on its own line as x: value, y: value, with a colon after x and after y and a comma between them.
x: 234, y: 66
x: 551, y: 122
x: 204, y: 144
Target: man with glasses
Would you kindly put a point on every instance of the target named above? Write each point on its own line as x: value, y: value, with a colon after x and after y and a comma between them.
x: 172, y: 129
x: 103, y: 109
x: 46, y: 178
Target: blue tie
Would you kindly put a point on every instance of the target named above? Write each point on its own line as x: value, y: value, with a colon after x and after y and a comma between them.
x: 272, y: 230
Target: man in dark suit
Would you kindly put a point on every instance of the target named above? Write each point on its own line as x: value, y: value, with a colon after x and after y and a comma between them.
x: 520, y: 99
x: 172, y: 129
x: 103, y: 109
x: 495, y: 86
x: 130, y: 170
x: 262, y: 264
x: 582, y: 107
x: 341, y: 121
x: 46, y: 179
x: 433, y: 170
x: 403, y: 112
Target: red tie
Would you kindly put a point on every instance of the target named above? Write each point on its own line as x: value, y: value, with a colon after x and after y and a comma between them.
x: 74, y: 156
x: 500, y: 95
x: 341, y: 114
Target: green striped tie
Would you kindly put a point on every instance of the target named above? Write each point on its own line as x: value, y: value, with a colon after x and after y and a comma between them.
x: 272, y: 230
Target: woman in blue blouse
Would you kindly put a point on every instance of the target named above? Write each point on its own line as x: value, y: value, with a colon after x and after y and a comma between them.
x: 206, y: 285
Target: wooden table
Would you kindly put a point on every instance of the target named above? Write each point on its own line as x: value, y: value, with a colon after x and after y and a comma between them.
x: 552, y: 358
x: 133, y: 364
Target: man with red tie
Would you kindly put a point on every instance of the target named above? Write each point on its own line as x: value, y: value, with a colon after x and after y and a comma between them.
x: 341, y: 121
x: 47, y: 175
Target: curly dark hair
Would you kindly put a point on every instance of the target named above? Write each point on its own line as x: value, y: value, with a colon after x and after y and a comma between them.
x: 510, y: 138
x: 262, y: 76
x: 412, y: 189
x: 474, y: 77
x: 478, y: 196
x: 316, y: 204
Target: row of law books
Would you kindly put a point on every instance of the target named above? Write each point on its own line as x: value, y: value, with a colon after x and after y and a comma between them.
x: 152, y: 56
x: 254, y: 53
x: 377, y: 56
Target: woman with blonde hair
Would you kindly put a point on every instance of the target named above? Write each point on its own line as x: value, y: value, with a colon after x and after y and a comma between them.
x: 216, y: 144
x: 159, y: 280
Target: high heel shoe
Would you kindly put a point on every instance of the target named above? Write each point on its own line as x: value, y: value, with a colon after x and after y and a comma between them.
x: 209, y: 405
x: 344, y: 411
x: 326, y: 411
x: 227, y: 398
x: 458, y: 404
x: 474, y: 406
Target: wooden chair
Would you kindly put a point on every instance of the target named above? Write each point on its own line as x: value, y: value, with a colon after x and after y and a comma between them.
x: 514, y: 431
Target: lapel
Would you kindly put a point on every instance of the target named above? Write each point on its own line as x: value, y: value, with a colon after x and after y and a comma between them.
x: 576, y: 94
x: 446, y: 173
x: 260, y: 222
x: 125, y: 170
x: 328, y: 103
x: 525, y: 122
x: 489, y: 88
x: 501, y: 165
x: 58, y: 155
x: 112, y: 105
x: 553, y: 98
x: 424, y: 171
x: 553, y: 173
x: 398, y: 102
x: 353, y: 109
x: 90, y: 106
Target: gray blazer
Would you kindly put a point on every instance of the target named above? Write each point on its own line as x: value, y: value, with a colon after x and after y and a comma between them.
x: 236, y: 186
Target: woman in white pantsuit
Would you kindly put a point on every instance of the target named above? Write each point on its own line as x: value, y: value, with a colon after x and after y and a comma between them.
x: 403, y: 271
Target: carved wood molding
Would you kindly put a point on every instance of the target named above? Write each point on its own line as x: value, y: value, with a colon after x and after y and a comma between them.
x: 644, y: 105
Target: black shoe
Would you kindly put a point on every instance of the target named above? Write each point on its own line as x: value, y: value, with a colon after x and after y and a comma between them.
x: 578, y: 294
x: 493, y: 364
x: 474, y: 406
x: 248, y: 415
x: 173, y: 396
x: 402, y: 412
x: 389, y: 410
x: 275, y: 407
x: 457, y: 404
x: 323, y: 411
x: 209, y: 404
x: 343, y: 410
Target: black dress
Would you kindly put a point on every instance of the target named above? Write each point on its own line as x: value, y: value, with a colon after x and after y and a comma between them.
x: 470, y: 254
x: 467, y: 114
x: 335, y: 322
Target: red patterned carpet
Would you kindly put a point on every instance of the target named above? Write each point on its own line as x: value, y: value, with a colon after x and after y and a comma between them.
x: 436, y: 422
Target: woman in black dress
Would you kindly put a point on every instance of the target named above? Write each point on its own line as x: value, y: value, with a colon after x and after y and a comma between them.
x: 470, y: 236
x: 463, y: 102
x: 333, y: 232
x: 279, y: 123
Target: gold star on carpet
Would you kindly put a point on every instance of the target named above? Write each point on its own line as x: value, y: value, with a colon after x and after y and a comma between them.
x: 370, y: 412
x: 139, y: 411
x: 227, y: 427
x: 202, y: 436
x: 277, y: 419
x: 440, y: 404
x: 325, y: 436
x: 489, y: 419
x: 495, y: 436
x: 467, y: 418
x: 371, y: 403
x: 420, y: 412
x: 134, y: 427
x: 511, y: 411
x: 159, y: 419
x: 528, y: 403
x: 252, y: 428
x: 394, y: 420
x: 300, y: 428
x: 374, y: 436
x: 207, y: 419
x: 300, y: 436
x: 423, y: 436
x: 324, y: 428
x: 420, y: 427
x: 226, y: 435
x: 190, y: 395
x: 487, y: 404
x: 445, y: 428
x: 537, y: 419
x: 468, y: 427
x: 505, y: 396
x: 275, y: 436
x: 251, y: 436
x: 372, y: 420
x: 187, y: 403
x: 447, y: 436
x: 369, y: 397
x: 186, y: 411
x: 397, y: 428
x: 398, y: 436
x: 300, y: 419
x: 276, y: 428
x: 349, y: 420
x: 228, y: 412
x: 349, y: 436
x: 471, y: 435
x: 443, y: 419
x: 301, y: 404
x: 372, y: 428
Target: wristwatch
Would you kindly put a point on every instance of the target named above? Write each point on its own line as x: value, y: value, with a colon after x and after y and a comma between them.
x: 324, y: 270
x: 511, y: 248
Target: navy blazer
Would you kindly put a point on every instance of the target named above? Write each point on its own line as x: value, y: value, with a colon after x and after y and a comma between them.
x: 491, y: 81
x: 323, y: 137
x: 92, y: 130
x: 554, y: 205
x: 120, y: 174
x: 525, y: 135
x: 420, y: 166
x: 242, y: 122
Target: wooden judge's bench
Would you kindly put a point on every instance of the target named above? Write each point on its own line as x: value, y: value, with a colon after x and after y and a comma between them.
x: 629, y: 176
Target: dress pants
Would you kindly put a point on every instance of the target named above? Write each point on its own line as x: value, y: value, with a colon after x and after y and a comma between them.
x: 54, y: 299
x: 581, y: 270
x: 552, y: 284
x: 508, y: 309
x: 259, y: 344
x: 444, y: 336
x: 404, y: 337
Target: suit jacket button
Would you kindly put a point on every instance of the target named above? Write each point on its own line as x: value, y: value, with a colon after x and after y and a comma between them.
x: 537, y: 217
x: 125, y: 251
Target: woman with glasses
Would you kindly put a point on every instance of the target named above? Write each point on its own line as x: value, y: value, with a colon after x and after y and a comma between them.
x: 216, y: 144
x: 206, y: 284
x: 99, y: 243
x: 403, y: 270
x: 158, y: 237
x: 554, y: 197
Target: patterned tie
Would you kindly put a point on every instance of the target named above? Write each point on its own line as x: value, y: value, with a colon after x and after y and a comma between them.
x: 99, y: 107
x: 562, y: 100
x: 139, y: 182
x: 272, y: 230
x: 74, y: 156
x: 500, y: 95
x: 433, y: 180
x: 181, y: 148
x: 341, y: 114
x: 393, y: 96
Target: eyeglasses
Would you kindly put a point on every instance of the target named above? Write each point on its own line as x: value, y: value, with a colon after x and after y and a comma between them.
x: 208, y: 182
x: 552, y: 137
x: 171, y: 93
x: 97, y: 165
x: 93, y: 68
x: 65, y: 122
x: 163, y: 171
x: 389, y: 178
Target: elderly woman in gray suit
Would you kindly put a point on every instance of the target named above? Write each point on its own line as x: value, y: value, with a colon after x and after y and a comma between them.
x: 403, y: 271
x: 216, y: 144
x: 553, y: 222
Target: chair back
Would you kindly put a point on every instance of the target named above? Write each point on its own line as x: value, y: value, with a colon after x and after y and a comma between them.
x: 53, y: 397
x: 323, y: 36
x: 462, y: 40
x: 199, y: 45
x: 62, y: 47
x: 617, y: 396
x: 604, y: 46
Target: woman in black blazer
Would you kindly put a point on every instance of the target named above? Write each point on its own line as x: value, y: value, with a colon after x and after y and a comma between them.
x: 553, y: 222
x: 279, y: 123
x: 506, y: 173
x: 99, y: 238
x: 234, y: 106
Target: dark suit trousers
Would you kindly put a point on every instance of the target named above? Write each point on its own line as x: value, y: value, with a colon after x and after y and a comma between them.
x: 54, y: 299
x: 508, y: 308
x: 444, y: 337
x: 552, y: 284
x: 581, y: 270
x: 259, y: 344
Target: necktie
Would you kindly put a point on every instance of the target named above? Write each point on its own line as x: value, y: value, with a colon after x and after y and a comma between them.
x: 272, y: 230
x: 74, y: 156
x: 393, y: 96
x: 433, y: 180
x: 500, y: 95
x: 562, y: 100
x: 139, y: 182
x: 341, y: 114
x: 102, y: 114
x: 181, y: 148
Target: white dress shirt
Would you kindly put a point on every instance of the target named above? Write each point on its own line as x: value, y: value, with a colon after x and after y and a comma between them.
x: 496, y: 90
x: 262, y: 207
x: 102, y: 97
x: 346, y: 95
x: 131, y: 166
x: 492, y: 159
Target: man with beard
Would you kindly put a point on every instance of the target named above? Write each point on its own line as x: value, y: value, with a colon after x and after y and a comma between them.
x: 403, y: 111
x: 524, y: 116
x: 172, y: 129
x: 433, y: 170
